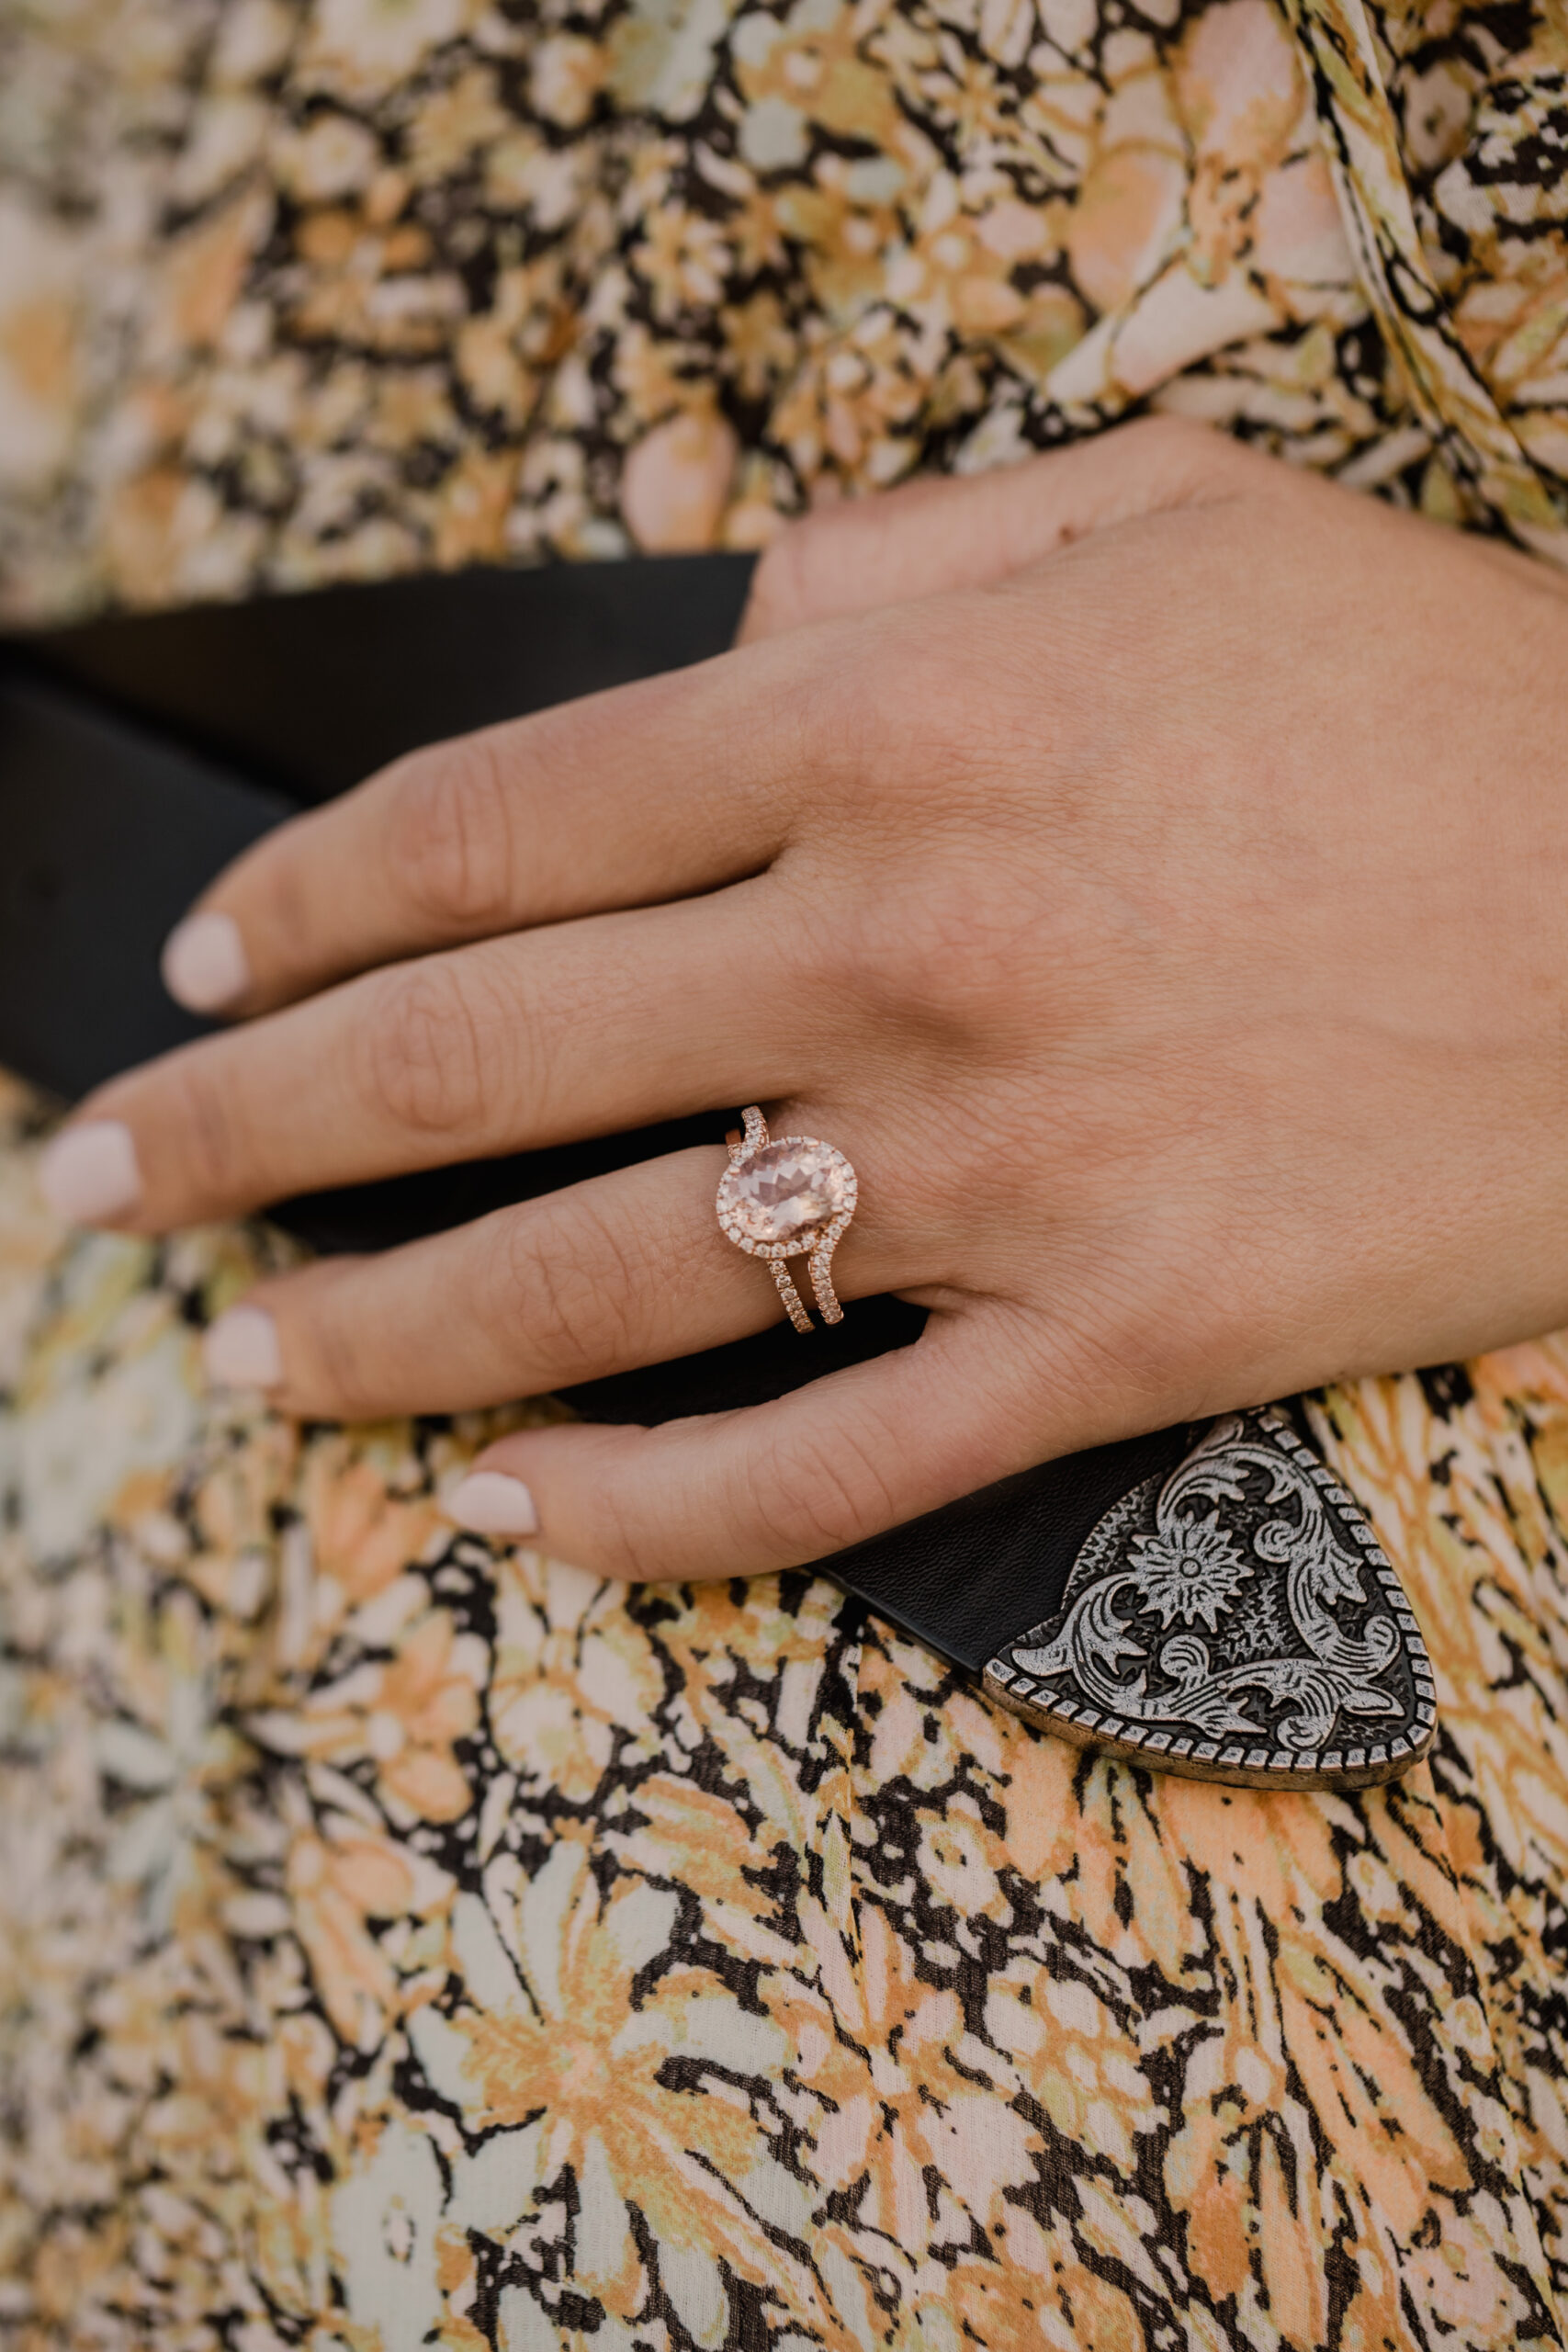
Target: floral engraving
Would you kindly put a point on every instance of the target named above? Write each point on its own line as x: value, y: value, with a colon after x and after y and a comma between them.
x: 1189, y: 1568
x: 1236, y: 1620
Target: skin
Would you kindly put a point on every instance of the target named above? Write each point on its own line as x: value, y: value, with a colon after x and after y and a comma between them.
x: 1146, y: 865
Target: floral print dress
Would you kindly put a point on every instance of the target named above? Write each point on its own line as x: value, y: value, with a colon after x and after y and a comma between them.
x: 406, y: 1941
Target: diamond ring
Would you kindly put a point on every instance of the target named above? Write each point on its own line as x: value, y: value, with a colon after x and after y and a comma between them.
x: 788, y: 1199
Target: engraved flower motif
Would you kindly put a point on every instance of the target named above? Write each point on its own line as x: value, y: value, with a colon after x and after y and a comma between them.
x: 1188, y: 1568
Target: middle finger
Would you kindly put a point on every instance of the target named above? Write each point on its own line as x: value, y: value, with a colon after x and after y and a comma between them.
x: 541, y: 1039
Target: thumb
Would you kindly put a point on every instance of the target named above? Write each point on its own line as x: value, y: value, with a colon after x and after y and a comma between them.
x: 961, y: 531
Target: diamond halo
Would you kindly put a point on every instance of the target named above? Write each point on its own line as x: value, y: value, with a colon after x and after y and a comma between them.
x: 788, y: 1198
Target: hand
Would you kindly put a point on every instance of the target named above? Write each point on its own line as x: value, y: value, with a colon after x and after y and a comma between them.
x: 1148, y: 865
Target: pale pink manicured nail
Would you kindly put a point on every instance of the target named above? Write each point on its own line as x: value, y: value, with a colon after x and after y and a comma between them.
x: 88, y: 1174
x: 204, y: 962
x: 241, y: 1350
x: 492, y: 1504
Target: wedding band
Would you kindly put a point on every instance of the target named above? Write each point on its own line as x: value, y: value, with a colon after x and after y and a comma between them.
x: 789, y: 1199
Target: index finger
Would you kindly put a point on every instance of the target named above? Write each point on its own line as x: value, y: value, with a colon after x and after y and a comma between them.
x: 658, y: 790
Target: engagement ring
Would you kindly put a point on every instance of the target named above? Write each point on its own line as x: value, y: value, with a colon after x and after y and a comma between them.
x: 789, y: 1199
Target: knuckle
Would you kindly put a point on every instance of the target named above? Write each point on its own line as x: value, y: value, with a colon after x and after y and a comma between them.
x: 640, y: 1550
x: 1157, y: 435
x: 1138, y: 1338
x: 907, y: 710
x: 273, y: 894
x: 930, y: 970
x: 1166, y: 432
x: 782, y: 594
x: 330, y: 1372
x: 1182, y: 447
x: 569, y: 1285
x: 425, y: 1051
x: 216, y: 1161
x: 818, y: 1491
x: 450, y: 834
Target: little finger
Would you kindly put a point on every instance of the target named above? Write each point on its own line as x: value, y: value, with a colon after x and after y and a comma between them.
x: 771, y: 1485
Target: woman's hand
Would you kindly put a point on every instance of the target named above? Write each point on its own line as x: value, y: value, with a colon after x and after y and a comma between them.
x: 1148, y: 865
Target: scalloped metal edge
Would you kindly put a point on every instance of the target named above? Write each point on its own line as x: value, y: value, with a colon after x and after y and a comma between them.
x: 1232, y: 1763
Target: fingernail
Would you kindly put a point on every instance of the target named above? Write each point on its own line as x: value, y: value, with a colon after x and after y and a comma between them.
x: 203, y: 964
x: 492, y: 1504
x: 88, y: 1174
x: 241, y: 1350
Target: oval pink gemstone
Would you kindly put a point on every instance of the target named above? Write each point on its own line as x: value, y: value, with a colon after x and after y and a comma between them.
x: 788, y: 1190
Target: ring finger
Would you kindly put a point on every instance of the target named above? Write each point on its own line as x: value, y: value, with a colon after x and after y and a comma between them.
x: 626, y: 1270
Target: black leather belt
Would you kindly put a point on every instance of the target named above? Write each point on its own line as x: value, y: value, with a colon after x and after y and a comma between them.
x: 139, y: 754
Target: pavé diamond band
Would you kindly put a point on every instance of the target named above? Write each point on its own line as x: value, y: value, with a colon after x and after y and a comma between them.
x: 789, y: 1199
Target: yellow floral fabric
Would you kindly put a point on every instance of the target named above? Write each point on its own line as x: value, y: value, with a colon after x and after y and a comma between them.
x: 409, y: 1941
x: 301, y: 291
